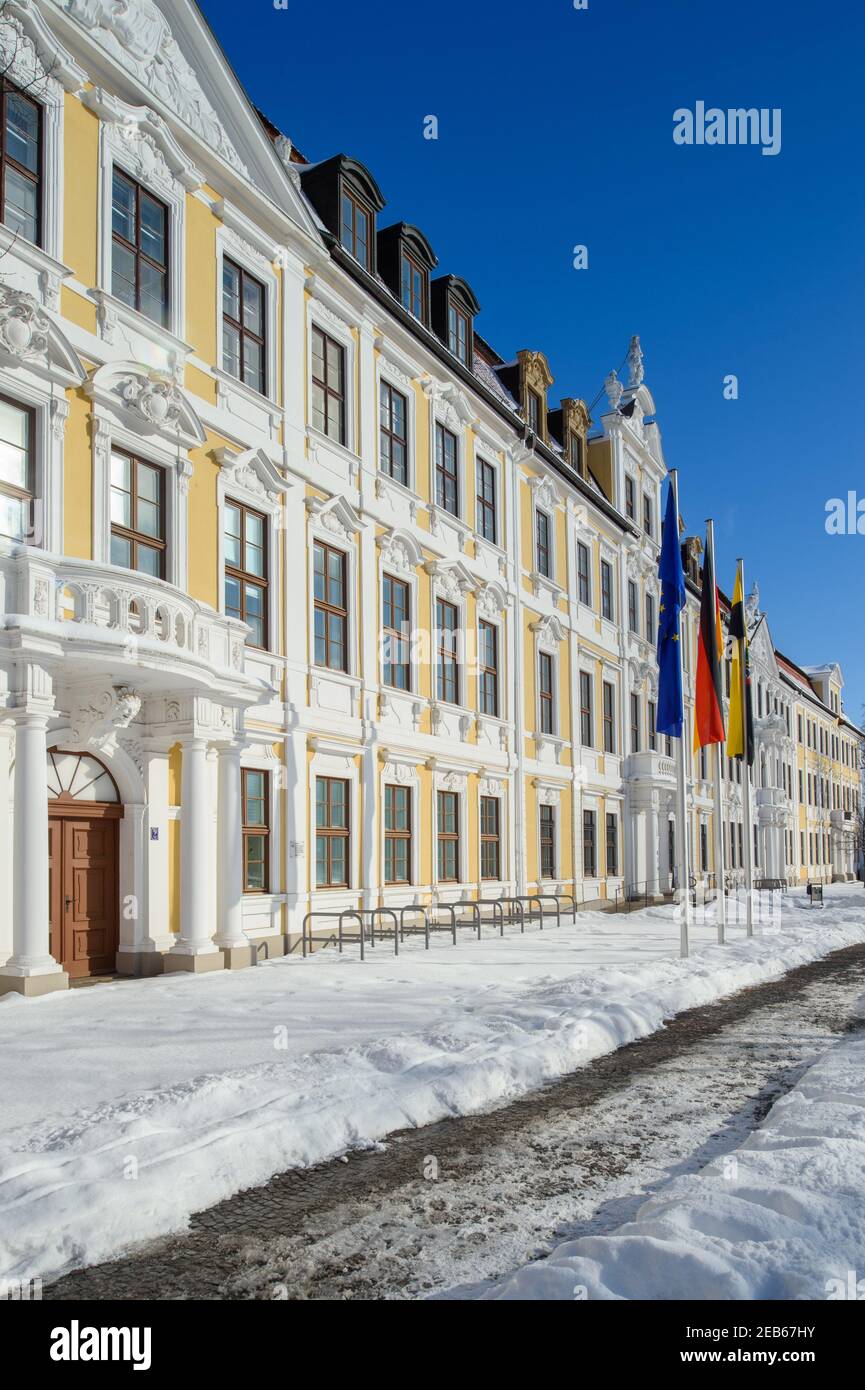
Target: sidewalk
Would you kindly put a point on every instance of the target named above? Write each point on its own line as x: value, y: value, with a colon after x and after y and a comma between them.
x: 127, y: 1107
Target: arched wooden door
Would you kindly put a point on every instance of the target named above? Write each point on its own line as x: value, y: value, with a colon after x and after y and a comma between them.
x: 84, y: 814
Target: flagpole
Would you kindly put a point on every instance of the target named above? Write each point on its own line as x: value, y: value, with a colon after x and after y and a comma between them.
x: 746, y: 767
x: 681, y: 795
x: 721, y: 892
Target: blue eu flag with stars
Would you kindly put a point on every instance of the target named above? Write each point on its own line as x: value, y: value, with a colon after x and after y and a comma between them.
x: 671, y: 707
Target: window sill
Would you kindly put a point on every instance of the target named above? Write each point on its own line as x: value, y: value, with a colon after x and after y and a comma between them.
x: 112, y: 311
x: 51, y: 272
x: 316, y: 440
x: 225, y: 383
x: 385, y: 485
x: 440, y: 517
x: 542, y: 584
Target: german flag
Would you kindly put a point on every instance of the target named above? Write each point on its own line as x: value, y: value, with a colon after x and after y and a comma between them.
x: 708, y: 709
x: 736, y: 744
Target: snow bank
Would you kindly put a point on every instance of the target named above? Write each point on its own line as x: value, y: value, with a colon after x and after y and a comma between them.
x: 129, y: 1106
x: 782, y: 1217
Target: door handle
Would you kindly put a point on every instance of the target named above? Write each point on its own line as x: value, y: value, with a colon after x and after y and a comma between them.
x: 68, y: 903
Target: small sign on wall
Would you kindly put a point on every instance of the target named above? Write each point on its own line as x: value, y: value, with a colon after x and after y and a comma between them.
x: 154, y: 832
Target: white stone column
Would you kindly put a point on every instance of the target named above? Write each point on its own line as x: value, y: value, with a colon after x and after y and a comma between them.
x: 230, y: 936
x: 195, y: 949
x: 7, y: 733
x: 31, y: 969
x: 652, y: 846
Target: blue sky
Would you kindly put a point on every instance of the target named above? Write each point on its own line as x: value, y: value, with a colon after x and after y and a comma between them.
x: 555, y: 128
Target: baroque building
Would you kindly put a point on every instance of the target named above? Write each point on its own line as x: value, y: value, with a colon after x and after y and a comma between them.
x: 311, y: 600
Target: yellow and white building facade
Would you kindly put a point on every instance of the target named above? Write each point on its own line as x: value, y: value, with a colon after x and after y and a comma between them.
x: 308, y: 599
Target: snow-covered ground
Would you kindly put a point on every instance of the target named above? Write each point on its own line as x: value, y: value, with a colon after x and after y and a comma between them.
x: 781, y: 1217
x: 129, y: 1106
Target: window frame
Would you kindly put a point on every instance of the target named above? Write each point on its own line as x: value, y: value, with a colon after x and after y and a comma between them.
x: 587, y: 713
x: 487, y: 672
x: 330, y: 832
x: 28, y: 494
x: 611, y: 861
x: 445, y: 657
x: 390, y: 632
x: 244, y: 576
x: 415, y: 269
x: 609, y: 716
x: 131, y: 533
x: 324, y: 606
x: 340, y: 395
x: 608, y: 607
x: 392, y: 836
x: 547, y: 847
x: 584, y: 574
x: 387, y: 389
x: 484, y: 507
x: 135, y: 250
x: 7, y: 161
x: 263, y: 387
x: 442, y: 474
x: 635, y: 722
x: 546, y: 693
x: 358, y: 205
x: 448, y: 836
x: 543, y: 543
x: 590, y: 843
x: 487, y: 838
x: 460, y: 315
x: 255, y: 831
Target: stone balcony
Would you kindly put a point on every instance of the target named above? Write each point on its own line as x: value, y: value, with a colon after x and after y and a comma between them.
x: 648, y: 766
x: 91, y: 617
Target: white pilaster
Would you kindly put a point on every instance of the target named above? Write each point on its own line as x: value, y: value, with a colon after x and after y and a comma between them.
x: 195, y: 949
x: 31, y: 969
x: 230, y: 936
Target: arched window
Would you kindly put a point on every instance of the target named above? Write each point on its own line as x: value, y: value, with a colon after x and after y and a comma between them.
x: 79, y: 777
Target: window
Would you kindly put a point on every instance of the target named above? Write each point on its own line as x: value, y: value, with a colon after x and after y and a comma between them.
x: 651, y: 634
x: 21, y: 163
x: 137, y: 515
x: 139, y: 249
x: 447, y: 671
x: 458, y: 333
x: 413, y: 287
x: 243, y: 303
x: 491, y: 865
x: 16, y: 471
x: 447, y: 490
x: 397, y: 834
x: 548, y: 841
x: 448, y: 838
x: 648, y: 515
x: 328, y: 386
x: 330, y: 603
x: 486, y: 520
x: 607, y: 590
x: 246, y: 569
x: 542, y: 543
x: 533, y: 410
x: 609, y: 718
x: 575, y: 452
x: 546, y: 712
x: 396, y: 621
x: 630, y: 498
x: 653, y: 726
x: 633, y: 624
x: 255, y: 793
x: 585, y: 587
x: 586, y: 710
x: 635, y: 723
x: 489, y: 669
x: 612, y: 844
x: 354, y: 228
x: 393, y: 434
x: 331, y: 832
x: 590, y: 857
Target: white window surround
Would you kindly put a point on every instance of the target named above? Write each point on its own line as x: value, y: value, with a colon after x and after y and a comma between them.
x: 497, y: 621
x: 550, y: 794
x: 401, y: 771
x: 549, y: 633
x: 331, y: 759
x: 321, y: 316
x: 249, y: 258
x: 39, y: 363
x: 495, y: 787
x: 251, y: 478
x: 387, y: 372
x: 591, y: 802
x: 139, y: 143
x: 335, y: 522
x: 399, y: 556
x: 256, y: 759
x: 451, y: 410
x: 451, y: 582
x: 32, y: 57
x: 141, y: 413
x: 482, y: 455
x: 449, y: 779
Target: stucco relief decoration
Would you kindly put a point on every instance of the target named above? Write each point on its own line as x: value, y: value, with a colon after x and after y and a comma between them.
x: 635, y: 363
x: 18, y: 57
x: 97, y: 718
x: 614, y: 389
x: 137, y: 33
x: 549, y: 796
x: 158, y: 401
x: 24, y: 327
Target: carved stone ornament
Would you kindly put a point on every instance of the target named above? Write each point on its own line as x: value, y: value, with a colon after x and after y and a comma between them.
x: 635, y: 362
x: 138, y: 35
x: 24, y: 327
x: 98, y: 717
x: 614, y: 389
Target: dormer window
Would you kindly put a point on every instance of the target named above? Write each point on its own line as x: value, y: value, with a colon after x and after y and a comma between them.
x: 575, y: 452
x: 413, y: 287
x: 533, y: 411
x: 458, y: 333
x: 405, y: 260
x: 354, y: 231
x: 347, y: 198
x: 453, y: 311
